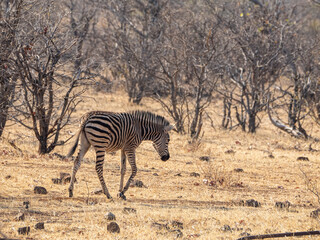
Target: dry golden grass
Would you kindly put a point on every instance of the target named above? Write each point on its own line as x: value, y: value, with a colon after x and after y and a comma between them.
x: 173, y: 195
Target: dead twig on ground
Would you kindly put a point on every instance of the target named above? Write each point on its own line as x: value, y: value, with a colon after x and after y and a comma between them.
x: 280, y: 235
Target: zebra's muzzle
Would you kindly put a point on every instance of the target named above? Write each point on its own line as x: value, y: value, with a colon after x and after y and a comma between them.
x: 165, y: 157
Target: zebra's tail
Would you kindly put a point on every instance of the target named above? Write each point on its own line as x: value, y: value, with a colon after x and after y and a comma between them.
x: 75, y: 145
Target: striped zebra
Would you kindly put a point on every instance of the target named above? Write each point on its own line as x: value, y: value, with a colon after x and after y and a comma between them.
x: 108, y: 132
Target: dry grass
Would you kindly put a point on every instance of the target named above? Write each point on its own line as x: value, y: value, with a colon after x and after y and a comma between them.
x: 271, y: 173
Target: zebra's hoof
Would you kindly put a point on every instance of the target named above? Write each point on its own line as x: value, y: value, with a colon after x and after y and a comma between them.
x: 122, y: 196
x: 70, y: 193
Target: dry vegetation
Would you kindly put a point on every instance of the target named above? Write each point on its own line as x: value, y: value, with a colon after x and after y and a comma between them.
x: 271, y: 173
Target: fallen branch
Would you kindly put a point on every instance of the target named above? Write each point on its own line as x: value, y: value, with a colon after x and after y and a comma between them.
x: 293, y: 132
x: 279, y: 235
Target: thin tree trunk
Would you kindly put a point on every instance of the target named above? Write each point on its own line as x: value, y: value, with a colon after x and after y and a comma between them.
x: 252, y: 122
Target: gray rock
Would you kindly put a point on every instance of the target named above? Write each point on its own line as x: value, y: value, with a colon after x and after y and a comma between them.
x: 194, y: 174
x: 137, y: 183
x: 226, y: 228
x: 205, y: 158
x: 250, y: 203
x: 113, y: 227
x: 24, y: 230
x: 129, y: 210
x: 302, y: 159
x: 285, y: 204
x: 110, y: 216
x: 39, y: 190
x: 39, y: 225
x: 315, y: 213
x: 56, y: 180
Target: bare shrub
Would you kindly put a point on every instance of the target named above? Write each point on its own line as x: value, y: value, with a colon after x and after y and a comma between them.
x: 219, y: 177
x: 311, y: 185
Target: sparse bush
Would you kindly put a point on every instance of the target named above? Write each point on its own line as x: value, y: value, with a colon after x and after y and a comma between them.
x: 311, y: 185
x: 219, y: 177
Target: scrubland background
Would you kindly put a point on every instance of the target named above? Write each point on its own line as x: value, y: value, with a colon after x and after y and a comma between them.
x: 271, y: 173
x: 239, y: 79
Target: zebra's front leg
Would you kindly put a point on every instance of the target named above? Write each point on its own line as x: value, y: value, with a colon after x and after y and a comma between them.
x: 99, y: 168
x: 132, y: 162
x: 123, y: 172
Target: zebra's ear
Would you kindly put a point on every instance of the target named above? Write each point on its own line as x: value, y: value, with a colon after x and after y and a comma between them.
x: 168, y: 128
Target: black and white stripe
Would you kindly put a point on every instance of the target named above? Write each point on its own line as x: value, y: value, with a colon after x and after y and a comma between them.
x: 108, y: 132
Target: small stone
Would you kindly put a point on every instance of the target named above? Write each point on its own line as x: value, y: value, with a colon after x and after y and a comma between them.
x: 137, y: 183
x: 226, y: 228
x: 8, y: 177
x: 205, y: 158
x: 238, y: 170
x: 253, y: 203
x: 26, y: 204
x: 285, y: 204
x: 178, y: 175
x: 194, y: 174
x: 56, y: 180
x: 155, y: 174
x: 129, y: 210
x: 110, y: 216
x: 39, y: 190
x: 270, y: 156
x: 20, y: 217
x: 113, y: 227
x: 230, y: 151
x: 315, y: 213
x: 189, y: 163
x: 24, y: 230
x: 39, y: 225
x: 302, y: 159
x: 250, y: 203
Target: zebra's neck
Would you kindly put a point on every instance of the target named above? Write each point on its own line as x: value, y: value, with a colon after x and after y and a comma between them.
x: 149, y: 123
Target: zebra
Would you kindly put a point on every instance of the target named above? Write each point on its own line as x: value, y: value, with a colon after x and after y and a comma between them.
x: 109, y: 132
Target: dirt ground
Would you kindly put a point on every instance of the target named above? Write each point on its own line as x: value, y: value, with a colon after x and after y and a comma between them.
x: 202, y: 192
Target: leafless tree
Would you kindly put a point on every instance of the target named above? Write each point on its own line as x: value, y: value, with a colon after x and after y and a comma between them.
x: 134, y: 35
x: 81, y: 18
x: 254, y: 61
x: 188, y: 60
x: 301, y: 90
x: 10, y: 16
x: 45, y: 103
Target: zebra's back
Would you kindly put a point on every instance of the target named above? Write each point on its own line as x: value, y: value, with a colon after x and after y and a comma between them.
x: 108, y: 131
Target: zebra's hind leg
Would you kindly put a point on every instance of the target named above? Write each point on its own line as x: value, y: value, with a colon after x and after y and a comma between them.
x: 84, y: 147
x: 132, y: 161
x: 99, y: 168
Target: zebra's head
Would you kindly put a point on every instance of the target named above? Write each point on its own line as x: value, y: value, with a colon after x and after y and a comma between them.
x: 161, y: 141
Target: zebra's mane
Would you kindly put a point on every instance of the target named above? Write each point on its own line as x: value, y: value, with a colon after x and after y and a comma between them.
x: 150, y: 117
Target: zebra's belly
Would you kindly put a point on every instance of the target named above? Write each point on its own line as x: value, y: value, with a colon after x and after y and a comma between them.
x: 106, y: 142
